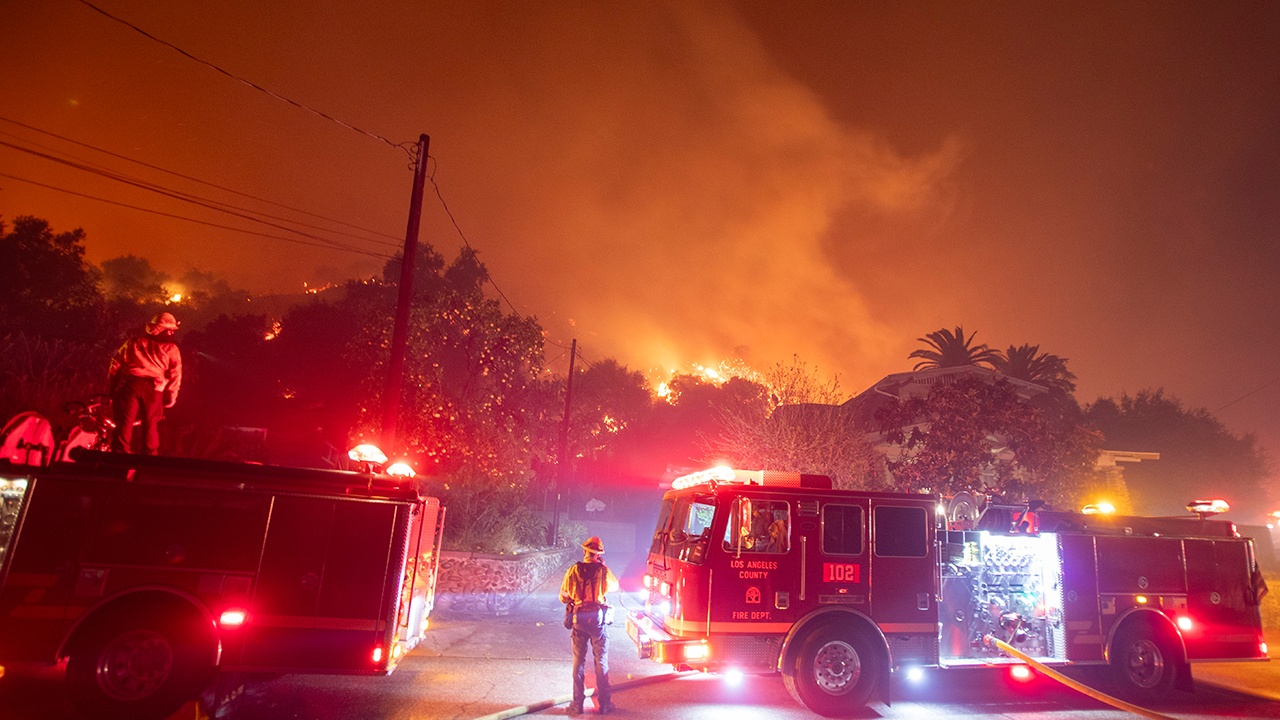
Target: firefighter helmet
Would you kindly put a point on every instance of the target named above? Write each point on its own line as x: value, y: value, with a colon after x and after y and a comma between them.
x: 163, y: 321
x: 594, y: 545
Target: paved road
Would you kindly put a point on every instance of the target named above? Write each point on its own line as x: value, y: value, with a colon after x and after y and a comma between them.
x: 472, y: 667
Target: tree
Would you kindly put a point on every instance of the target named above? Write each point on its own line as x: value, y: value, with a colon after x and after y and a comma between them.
x: 952, y: 349
x: 49, y: 289
x: 133, y: 279
x: 793, y: 420
x: 1026, y: 362
x: 471, y: 371
x: 1199, y: 456
x: 980, y: 436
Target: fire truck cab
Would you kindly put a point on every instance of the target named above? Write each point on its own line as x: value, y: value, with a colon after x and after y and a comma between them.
x: 149, y: 575
x: 773, y: 572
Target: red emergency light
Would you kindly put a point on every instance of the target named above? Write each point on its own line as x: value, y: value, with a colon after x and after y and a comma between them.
x: 765, y: 478
x: 1205, y: 508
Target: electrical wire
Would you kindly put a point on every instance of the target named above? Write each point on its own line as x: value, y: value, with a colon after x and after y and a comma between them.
x: 194, y: 179
x: 88, y: 166
x: 190, y: 219
x: 1249, y: 394
x: 160, y: 190
x: 406, y: 147
x: 432, y: 177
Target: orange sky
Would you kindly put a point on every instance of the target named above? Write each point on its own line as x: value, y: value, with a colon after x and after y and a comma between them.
x: 680, y: 181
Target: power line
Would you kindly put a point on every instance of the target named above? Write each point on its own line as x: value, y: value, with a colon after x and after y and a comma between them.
x: 1249, y: 394
x: 445, y: 205
x: 190, y: 219
x: 160, y: 190
x: 197, y: 180
x: 406, y: 147
x: 88, y: 166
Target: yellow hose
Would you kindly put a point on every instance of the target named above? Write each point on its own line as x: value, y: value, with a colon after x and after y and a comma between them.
x: 1078, y: 687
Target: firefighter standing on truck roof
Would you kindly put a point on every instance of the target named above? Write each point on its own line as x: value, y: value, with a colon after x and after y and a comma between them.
x: 587, y: 615
x: 143, y: 379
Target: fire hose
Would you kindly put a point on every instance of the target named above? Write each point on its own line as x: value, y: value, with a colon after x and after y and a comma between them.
x: 1074, y: 685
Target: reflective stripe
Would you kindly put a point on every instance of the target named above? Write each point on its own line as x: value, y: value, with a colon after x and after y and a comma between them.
x: 31, y: 580
x: 38, y: 612
x: 909, y: 627
x: 315, y: 623
x: 688, y: 628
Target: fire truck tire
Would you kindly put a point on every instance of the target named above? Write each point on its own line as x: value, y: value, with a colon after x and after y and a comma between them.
x: 1144, y: 665
x: 139, y: 665
x: 834, y: 671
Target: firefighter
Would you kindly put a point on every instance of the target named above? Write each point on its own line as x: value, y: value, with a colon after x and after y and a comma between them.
x: 143, y: 379
x: 587, y: 614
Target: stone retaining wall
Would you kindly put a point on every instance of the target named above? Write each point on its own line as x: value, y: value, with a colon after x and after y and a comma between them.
x: 484, y: 584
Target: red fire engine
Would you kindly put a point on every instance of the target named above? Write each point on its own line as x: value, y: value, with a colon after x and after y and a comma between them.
x: 766, y: 572
x: 150, y: 574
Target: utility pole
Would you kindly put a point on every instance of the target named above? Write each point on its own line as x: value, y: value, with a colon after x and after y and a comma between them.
x: 400, y: 331
x: 562, y: 464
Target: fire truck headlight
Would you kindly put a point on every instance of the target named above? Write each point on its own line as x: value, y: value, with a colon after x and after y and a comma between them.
x: 734, y: 677
x: 664, y: 608
x: 696, y: 652
x: 232, y: 618
x: 915, y: 674
x: 1185, y: 623
x: 1262, y: 648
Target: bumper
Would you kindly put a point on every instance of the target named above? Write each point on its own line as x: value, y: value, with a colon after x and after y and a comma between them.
x: 654, y: 643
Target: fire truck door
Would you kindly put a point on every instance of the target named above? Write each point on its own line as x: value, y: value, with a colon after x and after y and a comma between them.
x: 903, y: 566
x: 757, y: 584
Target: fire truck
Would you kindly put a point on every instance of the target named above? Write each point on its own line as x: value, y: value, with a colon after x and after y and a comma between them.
x: 775, y: 572
x: 150, y: 575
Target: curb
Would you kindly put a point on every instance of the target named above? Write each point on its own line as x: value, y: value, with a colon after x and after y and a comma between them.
x: 564, y: 699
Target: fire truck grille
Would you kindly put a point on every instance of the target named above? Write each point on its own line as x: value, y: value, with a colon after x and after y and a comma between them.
x: 913, y: 648
x: 750, y: 650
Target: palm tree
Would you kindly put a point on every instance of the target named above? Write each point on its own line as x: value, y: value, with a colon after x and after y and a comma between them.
x: 1026, y: 362
x: 952, y: 349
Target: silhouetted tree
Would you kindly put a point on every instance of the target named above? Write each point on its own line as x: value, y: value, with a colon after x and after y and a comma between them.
x: 1199, y: 456
x: 49, y: 290
x: 952, y: 349
x: 978, y: 435
x: 1026, y: 362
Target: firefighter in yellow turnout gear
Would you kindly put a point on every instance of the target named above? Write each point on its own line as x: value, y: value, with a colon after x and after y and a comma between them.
x: 587, y: 611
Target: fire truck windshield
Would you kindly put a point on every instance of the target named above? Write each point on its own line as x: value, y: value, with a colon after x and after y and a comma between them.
x: 687, y: 531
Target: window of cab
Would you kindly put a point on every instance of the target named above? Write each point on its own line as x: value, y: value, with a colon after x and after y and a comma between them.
x: 689, y: 530
x: 758, y: 525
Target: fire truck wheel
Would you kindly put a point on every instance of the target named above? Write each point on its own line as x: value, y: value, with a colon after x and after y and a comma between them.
x: 1143, y: 663
x: 138, y: 665
x: 834, y: 671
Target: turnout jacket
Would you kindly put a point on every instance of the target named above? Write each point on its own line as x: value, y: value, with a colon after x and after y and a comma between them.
x: 147, y: 357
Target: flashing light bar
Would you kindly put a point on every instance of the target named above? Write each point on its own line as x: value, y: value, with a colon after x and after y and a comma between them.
x: 366, y: 453
x: 1207, y: 507
x: 401, y: 469
x: 768, y: 478
x: 704, y: 477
